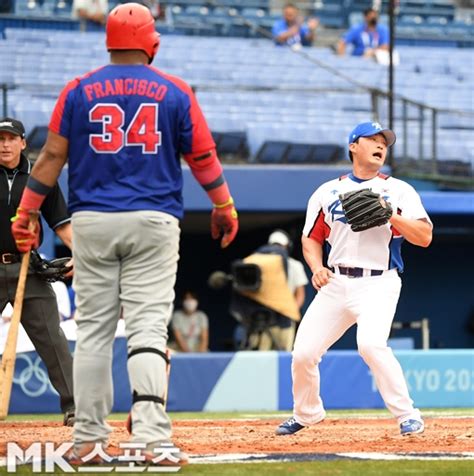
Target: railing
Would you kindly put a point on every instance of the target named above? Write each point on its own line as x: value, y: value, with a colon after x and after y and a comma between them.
x: 426, y: 164
x: 423, y: 325
x: 5, y: 87
x: 413, y: 118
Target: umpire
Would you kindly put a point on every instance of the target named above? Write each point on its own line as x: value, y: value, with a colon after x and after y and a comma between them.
x: 40, y: 316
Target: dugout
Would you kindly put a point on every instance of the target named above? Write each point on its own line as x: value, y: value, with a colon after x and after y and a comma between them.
x: 437, y: 282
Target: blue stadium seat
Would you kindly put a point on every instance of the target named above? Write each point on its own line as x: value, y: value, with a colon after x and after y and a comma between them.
x: 410, y: 20
x: 328, y: 153
x: 231, y: 145
x: 253, y: 13
x: 31, y: 117
x: 273, y: 152
x: 197, y: 10
x: 37, y: 138
x: 332, y: 15
x: 280, y: 109
x: 300, y: 153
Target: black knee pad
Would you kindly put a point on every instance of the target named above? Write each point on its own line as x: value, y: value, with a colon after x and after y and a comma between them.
x: 146, y: 398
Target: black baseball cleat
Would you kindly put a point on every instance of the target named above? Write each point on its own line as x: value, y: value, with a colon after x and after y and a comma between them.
x: 69, y: 417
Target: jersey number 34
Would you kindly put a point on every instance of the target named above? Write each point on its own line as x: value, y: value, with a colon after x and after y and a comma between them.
x: 141, y: 132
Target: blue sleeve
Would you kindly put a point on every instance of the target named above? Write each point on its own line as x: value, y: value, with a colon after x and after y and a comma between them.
x: 351, y: 35
x: 278, y: 27
x: 304, y: 30
x: 383, y: 35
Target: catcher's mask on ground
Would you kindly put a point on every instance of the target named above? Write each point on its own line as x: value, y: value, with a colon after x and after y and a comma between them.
x: 131, y: 26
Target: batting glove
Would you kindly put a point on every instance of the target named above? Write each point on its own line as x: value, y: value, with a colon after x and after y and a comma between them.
x: 224, y: 222
x: 26, y: 237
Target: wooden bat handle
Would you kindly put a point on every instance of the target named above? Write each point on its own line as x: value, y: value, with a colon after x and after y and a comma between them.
x: 9, y: 353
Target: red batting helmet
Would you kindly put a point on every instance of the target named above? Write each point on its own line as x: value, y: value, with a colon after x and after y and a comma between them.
x: 131, y: 26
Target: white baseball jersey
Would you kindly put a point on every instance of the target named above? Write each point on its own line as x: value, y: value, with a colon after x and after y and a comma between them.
x: 378, y: 248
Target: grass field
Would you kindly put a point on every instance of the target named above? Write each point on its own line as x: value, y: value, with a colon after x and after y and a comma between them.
x: 465, y: 412
x: 320, y: 468
x: 317, y: 468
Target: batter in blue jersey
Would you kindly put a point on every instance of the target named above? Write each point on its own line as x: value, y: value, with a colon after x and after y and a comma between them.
x: 124, y: 128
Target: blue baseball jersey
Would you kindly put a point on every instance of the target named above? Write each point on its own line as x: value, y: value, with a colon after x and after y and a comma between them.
x: 127, y: 126
x: 362, y: 38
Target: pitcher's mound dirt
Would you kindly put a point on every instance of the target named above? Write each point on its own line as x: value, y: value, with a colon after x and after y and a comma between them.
x: 348, y: 435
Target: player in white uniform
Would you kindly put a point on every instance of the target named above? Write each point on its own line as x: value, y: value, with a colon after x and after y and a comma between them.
x: 361, y: 283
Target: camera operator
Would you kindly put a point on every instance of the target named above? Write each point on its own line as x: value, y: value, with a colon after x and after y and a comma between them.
x: 281, y: 332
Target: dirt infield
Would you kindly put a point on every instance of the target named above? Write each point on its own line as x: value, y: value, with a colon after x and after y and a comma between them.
x: 338, y: 435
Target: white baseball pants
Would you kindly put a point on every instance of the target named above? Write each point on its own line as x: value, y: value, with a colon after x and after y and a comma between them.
x: 370, y: 302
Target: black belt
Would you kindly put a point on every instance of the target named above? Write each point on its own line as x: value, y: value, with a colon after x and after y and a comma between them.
x: 10, y: 258
x: 358, y: 272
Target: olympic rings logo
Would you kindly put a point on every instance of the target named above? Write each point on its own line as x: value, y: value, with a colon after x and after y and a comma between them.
x: 32, y: 379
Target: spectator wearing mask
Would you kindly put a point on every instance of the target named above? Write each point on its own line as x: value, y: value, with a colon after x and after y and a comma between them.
x: 190, y: 326
x: 366, y: 38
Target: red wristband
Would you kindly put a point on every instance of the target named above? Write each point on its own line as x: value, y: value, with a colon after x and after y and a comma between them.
x: 220, y: 196
x: 31, y: 200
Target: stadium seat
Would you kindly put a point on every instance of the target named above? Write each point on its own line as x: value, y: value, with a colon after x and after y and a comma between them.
x: 231, y: 145
x: 253, y: 13
x: 273, y: 152
x: 37, y: 138
x: 328, y: 153
x: 268, y: 94
x: 332, y: 15
x: 300, y: 153
x: 197, y: 10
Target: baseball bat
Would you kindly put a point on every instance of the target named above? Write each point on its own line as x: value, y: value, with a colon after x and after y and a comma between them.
x: 9, y: 353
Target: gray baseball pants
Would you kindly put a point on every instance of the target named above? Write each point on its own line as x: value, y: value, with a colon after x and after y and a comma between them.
x: 124, y: 262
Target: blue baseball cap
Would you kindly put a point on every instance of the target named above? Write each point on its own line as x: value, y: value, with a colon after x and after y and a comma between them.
x: 368, y: 129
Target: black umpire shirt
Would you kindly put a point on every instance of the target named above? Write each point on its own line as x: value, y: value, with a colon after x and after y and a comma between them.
x: 12, y: 183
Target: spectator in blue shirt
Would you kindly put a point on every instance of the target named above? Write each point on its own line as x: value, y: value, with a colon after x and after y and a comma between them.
x: 292, y: 30
x: 366, y: 38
